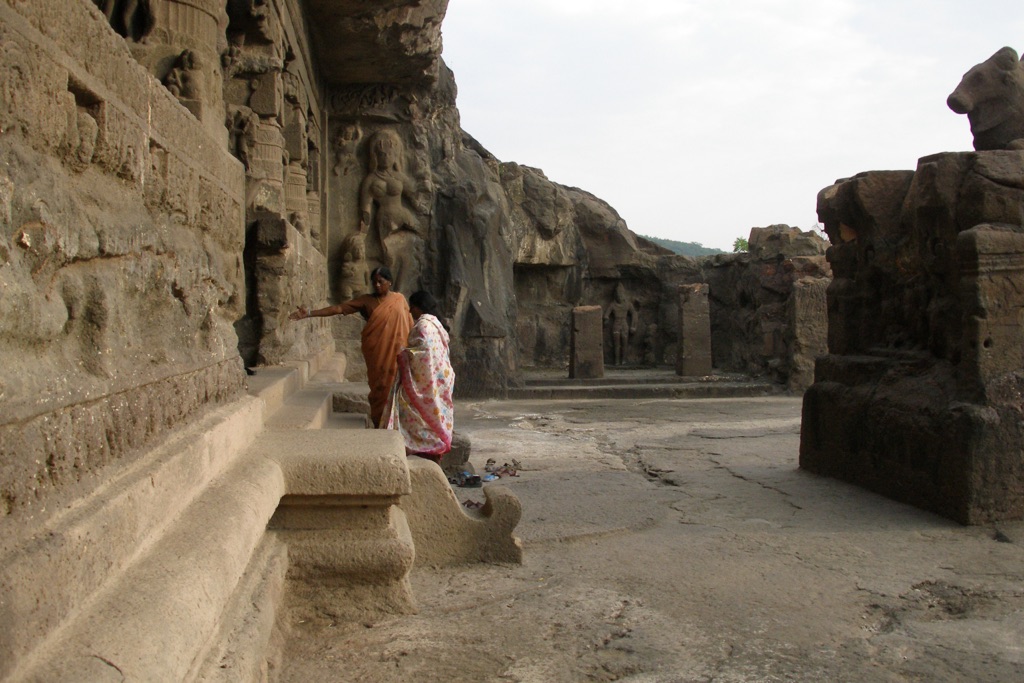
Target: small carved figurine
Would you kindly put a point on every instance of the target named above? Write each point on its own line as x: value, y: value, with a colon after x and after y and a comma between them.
x: 185, y: 80
x: 355, y: 274
x: 242, y: 124
x: 345, y: 148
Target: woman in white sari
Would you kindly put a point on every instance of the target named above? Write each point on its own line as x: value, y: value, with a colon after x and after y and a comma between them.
x: 421, y: 406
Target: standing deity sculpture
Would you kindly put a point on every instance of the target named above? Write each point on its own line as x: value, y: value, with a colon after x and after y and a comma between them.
x: 345, y: 148
x: 355, y: 273
x: 382, y: 206
x: 622, y: 318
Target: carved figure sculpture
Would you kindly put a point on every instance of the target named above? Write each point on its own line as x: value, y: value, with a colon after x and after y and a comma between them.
x: 622, y: 318
x: 381, y: 205
x: 185, y: 79
x: 345, y: 148
x: 992, y: 96
x: 355, y: 274
x: 242, y: 124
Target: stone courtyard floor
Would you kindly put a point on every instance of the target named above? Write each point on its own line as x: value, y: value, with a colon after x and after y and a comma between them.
x: 676, y: 540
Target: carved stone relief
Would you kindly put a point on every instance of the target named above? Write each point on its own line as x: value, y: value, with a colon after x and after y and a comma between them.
x: 622, y: 319
x: 355, y: 273
x: 383, y: 210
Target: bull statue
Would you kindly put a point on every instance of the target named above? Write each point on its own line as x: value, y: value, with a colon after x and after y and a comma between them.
x: 992, y: 96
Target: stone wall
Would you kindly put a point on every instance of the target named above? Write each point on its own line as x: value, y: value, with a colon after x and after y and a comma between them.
x: 768, y: 305
x: 121, y: 236
x: 919, y: 397
x: 276, y: 119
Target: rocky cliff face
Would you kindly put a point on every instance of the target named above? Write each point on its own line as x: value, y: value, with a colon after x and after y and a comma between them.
x: 121, y: 237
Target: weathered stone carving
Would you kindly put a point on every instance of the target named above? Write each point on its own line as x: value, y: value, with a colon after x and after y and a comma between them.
x: 243, y: 124
x: 919, y: 395
x: 81, y: 134
x: 185, y: 81
x: 382, y: 199
x: 355, y: 273
x: 753, y: 295
x: 992, y: 96
x: 622, y: 319
x: 345, y: 148
x: 651, y: 344
x: 377, y: 101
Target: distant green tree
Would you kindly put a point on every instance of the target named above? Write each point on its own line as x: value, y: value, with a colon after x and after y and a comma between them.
x: 740, y: 244
x: 693, y: 249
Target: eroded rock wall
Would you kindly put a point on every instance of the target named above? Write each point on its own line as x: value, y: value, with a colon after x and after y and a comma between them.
x: 121, y: 236
x: 768, y: 305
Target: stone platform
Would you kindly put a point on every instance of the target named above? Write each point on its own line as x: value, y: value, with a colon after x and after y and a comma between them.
x: 639, y: 383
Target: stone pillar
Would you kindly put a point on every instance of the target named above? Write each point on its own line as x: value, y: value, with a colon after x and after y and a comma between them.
x: 313, y: 209
x: 296, y: 205
x: 193, y: 26
x: 992, y: 267
x: 808, y: 330
x: 267, y: 168
x: 694, y: 358
x: 586, y: 344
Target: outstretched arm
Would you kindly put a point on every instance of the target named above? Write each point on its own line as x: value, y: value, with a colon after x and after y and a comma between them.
x: 353, y: 306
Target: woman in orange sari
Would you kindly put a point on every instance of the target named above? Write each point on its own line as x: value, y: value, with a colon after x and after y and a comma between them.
x: 388, y: 322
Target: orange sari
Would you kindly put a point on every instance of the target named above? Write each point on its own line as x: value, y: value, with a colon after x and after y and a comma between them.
x: 384, y: 336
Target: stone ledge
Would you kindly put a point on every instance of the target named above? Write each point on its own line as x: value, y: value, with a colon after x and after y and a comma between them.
x: 178, y: 589
x: 446, y: 535
x: 368, y: 462
x: 79, y: 549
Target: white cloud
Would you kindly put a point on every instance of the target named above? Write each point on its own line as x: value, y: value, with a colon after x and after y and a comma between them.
x: 698, y: 120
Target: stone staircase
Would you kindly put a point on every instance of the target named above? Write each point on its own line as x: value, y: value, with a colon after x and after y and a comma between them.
x: 177, y: 569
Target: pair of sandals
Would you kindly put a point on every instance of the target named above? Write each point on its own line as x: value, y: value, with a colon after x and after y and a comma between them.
x: 505, y: 470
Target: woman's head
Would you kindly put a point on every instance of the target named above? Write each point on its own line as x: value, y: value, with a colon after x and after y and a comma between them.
x: 381, y: 279
x: 424, y: 302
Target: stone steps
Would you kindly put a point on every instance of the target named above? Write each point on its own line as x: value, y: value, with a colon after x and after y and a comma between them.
x: 127, y: 562
x: 644, y: 390
x: 175, y: 570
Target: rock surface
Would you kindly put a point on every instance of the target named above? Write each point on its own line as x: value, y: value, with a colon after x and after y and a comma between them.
x: 919, y: 396
x: 660, y: 549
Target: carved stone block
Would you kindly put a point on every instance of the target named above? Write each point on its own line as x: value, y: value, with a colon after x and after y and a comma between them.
x: 694, y: 358
x: 267, y: 97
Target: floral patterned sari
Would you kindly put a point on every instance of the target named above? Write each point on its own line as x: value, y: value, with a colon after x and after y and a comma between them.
x: 420, y: 406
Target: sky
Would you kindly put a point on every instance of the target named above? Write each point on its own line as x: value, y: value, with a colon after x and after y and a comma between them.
x: 697, y: 120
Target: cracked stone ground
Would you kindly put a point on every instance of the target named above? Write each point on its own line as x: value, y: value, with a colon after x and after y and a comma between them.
x: 676, y: 540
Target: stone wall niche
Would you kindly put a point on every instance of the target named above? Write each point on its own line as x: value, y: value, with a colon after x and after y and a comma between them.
x: 919, y: 397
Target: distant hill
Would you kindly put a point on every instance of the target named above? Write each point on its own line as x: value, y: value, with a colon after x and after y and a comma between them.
x: 684, y: 248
